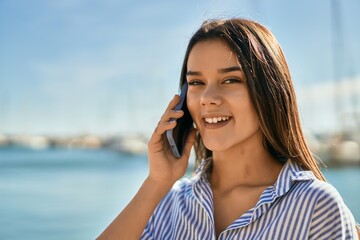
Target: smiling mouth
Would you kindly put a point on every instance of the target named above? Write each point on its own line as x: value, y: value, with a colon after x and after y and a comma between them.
x: 216, y: 119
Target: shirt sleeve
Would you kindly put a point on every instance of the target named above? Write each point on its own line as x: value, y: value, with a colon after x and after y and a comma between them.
x: 331, y: 218
x: 148, y: 233
x: 158, y: 224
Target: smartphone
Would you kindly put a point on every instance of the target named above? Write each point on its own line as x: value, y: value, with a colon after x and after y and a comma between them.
x: 177, y: 136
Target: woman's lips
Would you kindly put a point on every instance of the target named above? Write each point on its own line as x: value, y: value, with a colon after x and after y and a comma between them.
x: 216, y: 122
x: 216, y: 119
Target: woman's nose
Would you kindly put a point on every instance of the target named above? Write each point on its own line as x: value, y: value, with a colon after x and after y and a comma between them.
x: 211, y: 96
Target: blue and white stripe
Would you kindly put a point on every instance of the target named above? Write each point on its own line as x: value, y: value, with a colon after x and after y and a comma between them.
x: 297, y: 206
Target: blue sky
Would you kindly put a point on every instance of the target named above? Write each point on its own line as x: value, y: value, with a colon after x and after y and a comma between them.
x: 110, y: 67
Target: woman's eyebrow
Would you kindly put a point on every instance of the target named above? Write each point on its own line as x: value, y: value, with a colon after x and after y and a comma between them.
x: 229, y: 69
x: 193, y: 73
x: 221, y: 70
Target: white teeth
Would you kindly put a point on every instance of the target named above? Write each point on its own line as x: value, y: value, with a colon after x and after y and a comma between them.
x: 216, y: 119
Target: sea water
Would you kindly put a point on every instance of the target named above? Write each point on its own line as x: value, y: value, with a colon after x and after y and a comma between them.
x: 75, y: 194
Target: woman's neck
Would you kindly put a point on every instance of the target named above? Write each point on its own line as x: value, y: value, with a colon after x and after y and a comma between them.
x: 243, y: 166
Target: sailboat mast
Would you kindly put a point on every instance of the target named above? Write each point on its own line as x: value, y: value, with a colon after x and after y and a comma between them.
x: 337, y: 40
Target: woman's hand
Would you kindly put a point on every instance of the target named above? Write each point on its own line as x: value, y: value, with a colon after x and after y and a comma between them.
x: 164, y: 167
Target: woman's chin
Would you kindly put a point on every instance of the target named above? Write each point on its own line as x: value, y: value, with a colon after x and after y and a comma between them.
x: 215, y: 146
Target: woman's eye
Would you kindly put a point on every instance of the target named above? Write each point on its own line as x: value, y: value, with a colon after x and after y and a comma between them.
x: 194, y: 82
x: 232, y: 80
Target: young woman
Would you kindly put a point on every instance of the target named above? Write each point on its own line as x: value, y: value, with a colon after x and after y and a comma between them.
x: 256, y: 178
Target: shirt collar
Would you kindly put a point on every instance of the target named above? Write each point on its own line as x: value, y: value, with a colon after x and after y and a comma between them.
x: 291, y: 172
x: 201, y: 170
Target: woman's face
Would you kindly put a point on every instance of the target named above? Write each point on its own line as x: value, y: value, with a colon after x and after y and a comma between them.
x: 218, y: 98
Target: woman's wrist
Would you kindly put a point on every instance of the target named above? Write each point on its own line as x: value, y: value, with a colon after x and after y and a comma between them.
x: 159, y: 185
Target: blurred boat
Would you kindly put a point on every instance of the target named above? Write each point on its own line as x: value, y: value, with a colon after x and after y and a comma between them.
x: 132, y: 144
x: 30, y: 141
x: 338, y: 149
x: 345, y: 151
x: 4, y: 140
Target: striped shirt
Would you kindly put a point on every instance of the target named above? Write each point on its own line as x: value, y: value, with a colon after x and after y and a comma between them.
x: 297, y: 206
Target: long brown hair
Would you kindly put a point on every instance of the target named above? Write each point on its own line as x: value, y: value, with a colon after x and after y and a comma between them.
x: 269, y: 85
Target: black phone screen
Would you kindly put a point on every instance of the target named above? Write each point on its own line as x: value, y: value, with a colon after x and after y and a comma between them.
x: 177, y: 137
x: 182, y: 129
